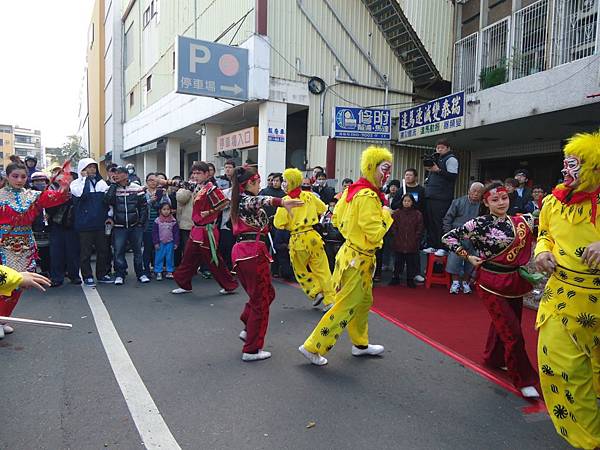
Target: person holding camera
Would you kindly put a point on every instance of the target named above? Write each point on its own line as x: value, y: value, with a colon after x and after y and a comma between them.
x: 442, y: 169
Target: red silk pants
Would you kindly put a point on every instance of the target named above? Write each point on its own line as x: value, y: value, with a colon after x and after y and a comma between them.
x: 194, y: 256
x: 8, y: 303
x: 505, y: 345
x: 255, y: 276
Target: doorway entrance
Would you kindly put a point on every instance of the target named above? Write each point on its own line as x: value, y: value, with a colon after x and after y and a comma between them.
x: 543, y: 169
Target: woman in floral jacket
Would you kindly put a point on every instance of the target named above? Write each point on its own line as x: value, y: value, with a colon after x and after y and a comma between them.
x: 503, y: 245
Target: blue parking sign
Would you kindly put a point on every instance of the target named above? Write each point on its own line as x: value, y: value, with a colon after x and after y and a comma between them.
x: 211, y: 70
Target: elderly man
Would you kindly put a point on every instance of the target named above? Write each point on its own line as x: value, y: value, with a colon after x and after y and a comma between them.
x: 461, y: 210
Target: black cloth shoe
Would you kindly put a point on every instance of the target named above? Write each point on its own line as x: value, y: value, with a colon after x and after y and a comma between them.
x: 76, y: 281
x: 411, y: 284
x: 394, y: 281
x: 54, y: 283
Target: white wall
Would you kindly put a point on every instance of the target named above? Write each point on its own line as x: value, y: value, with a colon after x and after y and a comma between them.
x: 559, y: 88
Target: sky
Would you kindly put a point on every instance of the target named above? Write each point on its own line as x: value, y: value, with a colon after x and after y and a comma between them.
x: 43, y: 46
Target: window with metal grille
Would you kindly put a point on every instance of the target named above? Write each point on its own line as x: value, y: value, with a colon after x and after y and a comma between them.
x: 529, y: 40
x: 465, y: 64
x: 575, y: 30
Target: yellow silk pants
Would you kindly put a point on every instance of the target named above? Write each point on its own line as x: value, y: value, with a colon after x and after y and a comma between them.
x: 568, y: 375
x: 351, y: 310
x: 308, y: 258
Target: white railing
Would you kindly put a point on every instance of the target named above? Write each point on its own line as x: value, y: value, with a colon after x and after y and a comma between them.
x: 465, y: 64
x: 575, y: 28
x: 544, y: 34
x: 494, y: 44
x: 530, y: 39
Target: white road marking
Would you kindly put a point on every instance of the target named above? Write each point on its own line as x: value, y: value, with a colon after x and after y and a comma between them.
x: 153, y: 430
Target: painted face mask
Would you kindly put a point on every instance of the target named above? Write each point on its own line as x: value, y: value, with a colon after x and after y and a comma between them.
x: 385, y: 169
x: 570, y: 171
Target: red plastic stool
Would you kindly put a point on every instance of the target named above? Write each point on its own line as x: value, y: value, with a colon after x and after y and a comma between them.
x: 432, y: 277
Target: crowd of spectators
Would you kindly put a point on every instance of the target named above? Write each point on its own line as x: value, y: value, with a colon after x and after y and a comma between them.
x: 111, y: 216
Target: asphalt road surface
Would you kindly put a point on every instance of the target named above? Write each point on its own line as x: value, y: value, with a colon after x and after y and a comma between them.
x: 61, y: 391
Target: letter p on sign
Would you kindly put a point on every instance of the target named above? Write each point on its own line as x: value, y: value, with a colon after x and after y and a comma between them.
x: 199, y: 54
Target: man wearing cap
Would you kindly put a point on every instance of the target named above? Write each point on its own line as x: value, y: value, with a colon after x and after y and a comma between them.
x: 90, y: 216
x: 130, y: 213
x: 31, y: 163
x: 522, y: 192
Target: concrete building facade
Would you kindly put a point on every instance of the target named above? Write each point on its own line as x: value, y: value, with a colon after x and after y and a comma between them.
x: 7, y: 145
x: 101, y: 102
x: 530, y: 71
x: 367, y: 54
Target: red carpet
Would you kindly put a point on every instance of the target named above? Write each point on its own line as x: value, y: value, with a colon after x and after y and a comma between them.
x: 458, y: 323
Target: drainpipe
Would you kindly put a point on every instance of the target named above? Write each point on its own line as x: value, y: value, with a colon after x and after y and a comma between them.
x: 387, y: 88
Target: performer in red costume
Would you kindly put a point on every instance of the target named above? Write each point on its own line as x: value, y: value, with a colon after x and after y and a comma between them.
x: 201, y: 248
x: 251, y: 257
x: 18, y: 209
x: 503, y: 246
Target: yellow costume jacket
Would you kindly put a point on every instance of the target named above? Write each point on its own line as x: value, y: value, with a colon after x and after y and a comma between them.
x: 9, y: 280
x: 301, y: 218
x: 363, y: 223
x: 572, y: 291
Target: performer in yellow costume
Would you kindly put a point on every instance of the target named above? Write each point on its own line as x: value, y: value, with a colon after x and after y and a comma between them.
x: 363, y: 220
x: 11, y: 280
x: 569, y: 314
x: 307, y: 251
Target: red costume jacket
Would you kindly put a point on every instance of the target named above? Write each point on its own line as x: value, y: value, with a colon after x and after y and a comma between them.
x: 209, y: 197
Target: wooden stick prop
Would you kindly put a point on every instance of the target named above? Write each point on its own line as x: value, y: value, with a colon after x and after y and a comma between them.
x: 39, y: 323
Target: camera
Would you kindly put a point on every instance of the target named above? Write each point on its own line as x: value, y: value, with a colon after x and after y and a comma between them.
x: 430, y: 160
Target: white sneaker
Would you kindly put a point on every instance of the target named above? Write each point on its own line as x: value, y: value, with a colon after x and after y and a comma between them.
x: 370, y: 350
x: 256, y: 356
x: 466, y: 288
x: 226, y: 292
x: 144, y: 279
x: 327, y: 307
x: 314, y: 358
x: 429, y: 250
x: 243, y: 335
x: 419, y: 279
x: 440, y: 252
x: 159, y: 277
x: 119, y: 280
x: 529, y: 392
x: 180, y: 291
x: 318, y: 299
x: 455, y: 288
x: 7, y: 329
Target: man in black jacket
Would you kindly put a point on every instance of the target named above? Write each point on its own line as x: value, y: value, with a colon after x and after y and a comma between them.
x: 64, y: 241
x: 439, y: 193
x: 320, y: 188
x: 410, y: 185
x: 130, y: 213
x: 522, y: 192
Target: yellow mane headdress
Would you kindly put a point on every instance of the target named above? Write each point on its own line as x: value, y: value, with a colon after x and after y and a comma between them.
x: 293, y: 177
x: 586, y: 147
x: 370, y: 159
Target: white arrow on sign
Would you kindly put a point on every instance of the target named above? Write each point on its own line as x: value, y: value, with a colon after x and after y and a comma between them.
x: 235, y: 89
